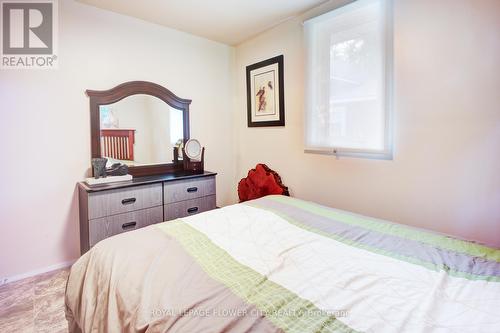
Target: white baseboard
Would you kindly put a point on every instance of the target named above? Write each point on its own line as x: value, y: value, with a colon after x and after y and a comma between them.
x: 5, y: 280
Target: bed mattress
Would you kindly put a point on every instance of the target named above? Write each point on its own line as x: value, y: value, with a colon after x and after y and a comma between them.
x: 279, y: 264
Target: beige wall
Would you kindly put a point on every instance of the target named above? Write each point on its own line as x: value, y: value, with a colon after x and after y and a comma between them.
x: 445, y: 174
x: 44, y: 124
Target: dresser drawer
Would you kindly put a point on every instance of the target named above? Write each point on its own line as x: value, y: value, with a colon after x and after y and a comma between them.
x: 119, y: 201
x: 105, y: 227
x: 181, y: 190
x: 188, y: 207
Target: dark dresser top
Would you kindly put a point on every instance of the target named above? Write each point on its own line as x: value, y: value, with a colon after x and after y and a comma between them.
x: 171, y: 176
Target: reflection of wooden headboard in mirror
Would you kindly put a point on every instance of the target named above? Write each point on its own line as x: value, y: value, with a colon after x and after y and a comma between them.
x: 118, y: 143
x: 151, y: 124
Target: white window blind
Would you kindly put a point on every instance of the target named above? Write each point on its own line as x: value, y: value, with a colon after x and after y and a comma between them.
x: 349, y: 80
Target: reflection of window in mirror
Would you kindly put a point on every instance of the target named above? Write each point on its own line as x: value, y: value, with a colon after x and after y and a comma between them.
x: 176, y: 126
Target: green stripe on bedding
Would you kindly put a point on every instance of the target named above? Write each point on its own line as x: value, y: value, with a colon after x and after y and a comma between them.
x: 381, y: 226
x: 282, y: 307
x: 372, y: 249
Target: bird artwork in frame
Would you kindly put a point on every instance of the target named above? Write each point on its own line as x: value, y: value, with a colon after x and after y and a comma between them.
x: 265, y: 93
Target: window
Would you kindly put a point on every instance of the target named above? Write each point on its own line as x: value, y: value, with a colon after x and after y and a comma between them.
x: 349, y: 80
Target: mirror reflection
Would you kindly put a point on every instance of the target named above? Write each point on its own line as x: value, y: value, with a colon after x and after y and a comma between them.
x: 140, y: 130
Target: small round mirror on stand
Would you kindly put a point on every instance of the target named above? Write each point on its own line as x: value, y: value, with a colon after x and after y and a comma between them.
x: 193, y: 149
x: 193, y: 156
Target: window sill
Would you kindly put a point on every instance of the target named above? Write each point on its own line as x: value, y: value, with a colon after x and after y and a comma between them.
x: 383, y: 155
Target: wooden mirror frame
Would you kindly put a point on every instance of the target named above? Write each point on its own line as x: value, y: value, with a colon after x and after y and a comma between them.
x: 105, y: 97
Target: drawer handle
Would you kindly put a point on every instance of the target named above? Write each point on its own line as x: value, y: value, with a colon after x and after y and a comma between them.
x: 192, y: 210
x: 128, y: 201
x: 129, y: 225
x: 192, y: 189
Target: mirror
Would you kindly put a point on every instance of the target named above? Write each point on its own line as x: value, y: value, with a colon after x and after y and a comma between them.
x: 139, y: 123
x: 140, y: 130
x: 193, y: 149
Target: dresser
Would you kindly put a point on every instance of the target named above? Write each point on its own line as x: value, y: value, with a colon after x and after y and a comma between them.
x: 114, y: 208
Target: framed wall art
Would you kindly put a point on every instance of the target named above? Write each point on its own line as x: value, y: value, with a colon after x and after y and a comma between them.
x: 265, y: 93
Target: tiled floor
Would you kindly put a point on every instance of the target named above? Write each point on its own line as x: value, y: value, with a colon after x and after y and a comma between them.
x: 34, y: 304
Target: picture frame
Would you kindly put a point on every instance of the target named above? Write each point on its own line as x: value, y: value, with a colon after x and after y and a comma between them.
x: 265, y: 93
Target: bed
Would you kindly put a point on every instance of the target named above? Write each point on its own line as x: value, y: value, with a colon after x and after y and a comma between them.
x: 280, y: 264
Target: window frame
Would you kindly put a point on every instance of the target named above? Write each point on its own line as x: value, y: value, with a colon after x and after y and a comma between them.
x: 387, y: 153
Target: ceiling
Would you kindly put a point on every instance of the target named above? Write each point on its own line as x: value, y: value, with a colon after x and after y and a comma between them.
x: 227, y: 21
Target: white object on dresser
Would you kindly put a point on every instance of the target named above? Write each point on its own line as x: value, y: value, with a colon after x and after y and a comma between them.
x: 110, y: 179
x: 110, y: 209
